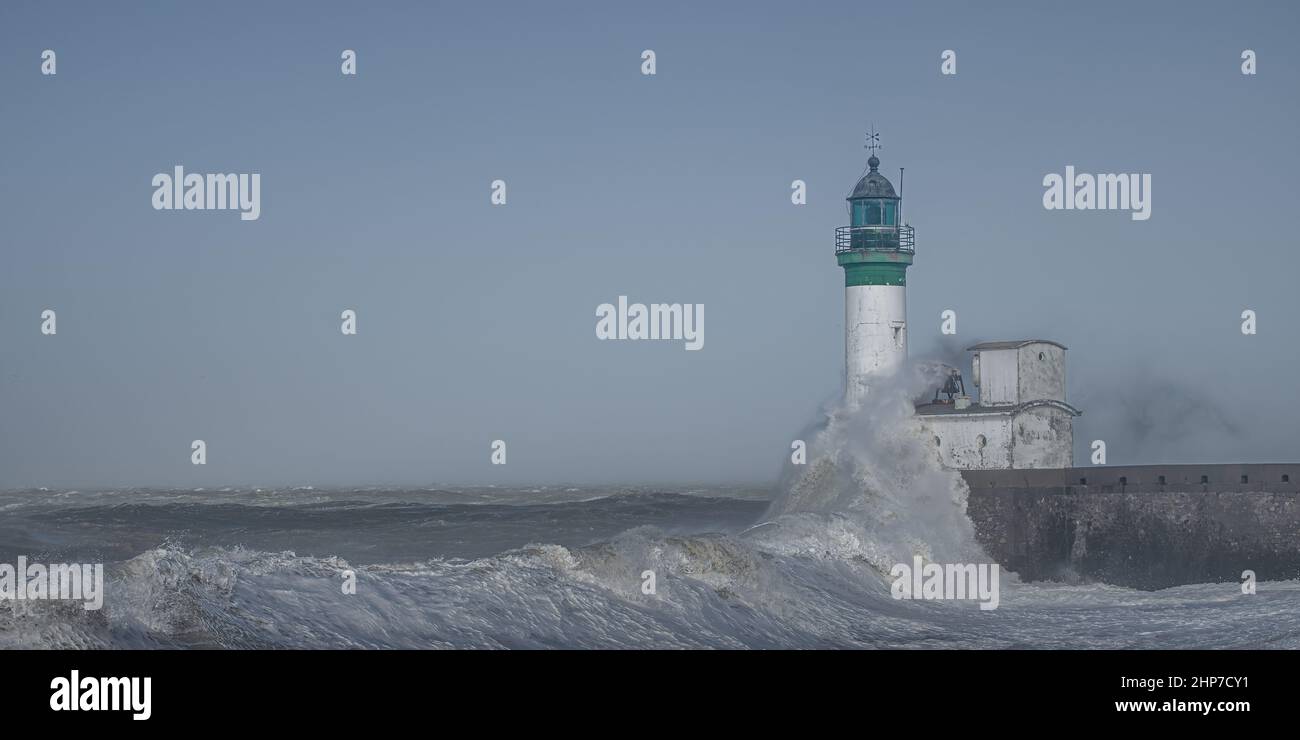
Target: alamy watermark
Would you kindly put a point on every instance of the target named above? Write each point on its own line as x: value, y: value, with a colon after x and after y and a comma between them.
x: 656, y: 321
x: 953, y: 581
x: 93, y: 694
x: 213, y: 192
x: 53, y: 582
x: 1111, y: 192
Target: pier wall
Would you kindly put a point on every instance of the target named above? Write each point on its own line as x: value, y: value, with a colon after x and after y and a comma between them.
x: 1147, y: 526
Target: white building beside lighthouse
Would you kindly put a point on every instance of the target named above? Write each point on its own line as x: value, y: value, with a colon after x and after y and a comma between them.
x: 875, y: 250
x: 1021, y: 419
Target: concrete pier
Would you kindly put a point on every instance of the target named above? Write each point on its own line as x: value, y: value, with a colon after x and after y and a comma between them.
x: 1146, y: 526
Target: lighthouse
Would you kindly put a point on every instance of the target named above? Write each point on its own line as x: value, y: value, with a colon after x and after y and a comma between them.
x: 875, y: 250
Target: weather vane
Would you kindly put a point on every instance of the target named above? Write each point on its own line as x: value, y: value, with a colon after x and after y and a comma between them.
x: 873, y: 140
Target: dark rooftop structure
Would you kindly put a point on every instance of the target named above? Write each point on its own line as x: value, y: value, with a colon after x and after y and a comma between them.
x: 873, y: 184
x: 1016, y: 344
x: 937, y: 409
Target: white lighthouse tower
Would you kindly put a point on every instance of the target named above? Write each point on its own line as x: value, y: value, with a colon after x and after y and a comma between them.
x: 875, y: 250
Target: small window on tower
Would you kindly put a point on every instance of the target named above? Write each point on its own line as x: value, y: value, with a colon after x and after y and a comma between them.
x: 980, y: 441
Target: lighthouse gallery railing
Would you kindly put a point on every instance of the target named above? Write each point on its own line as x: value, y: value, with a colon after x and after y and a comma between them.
x: 882, y: 238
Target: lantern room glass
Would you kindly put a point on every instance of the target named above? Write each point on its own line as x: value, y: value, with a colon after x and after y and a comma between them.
x: 874, y: 212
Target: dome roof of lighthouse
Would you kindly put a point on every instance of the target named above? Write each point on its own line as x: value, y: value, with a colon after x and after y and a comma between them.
x: 873, y: 184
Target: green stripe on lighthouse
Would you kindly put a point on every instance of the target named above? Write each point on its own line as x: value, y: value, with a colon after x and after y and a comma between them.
x: 862, y: 267
x: 874, y: 275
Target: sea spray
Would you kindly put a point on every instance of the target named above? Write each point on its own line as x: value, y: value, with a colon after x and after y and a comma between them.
x: 870, y: 468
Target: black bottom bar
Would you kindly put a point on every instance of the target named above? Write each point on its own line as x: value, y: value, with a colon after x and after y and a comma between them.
x: 212, y: 690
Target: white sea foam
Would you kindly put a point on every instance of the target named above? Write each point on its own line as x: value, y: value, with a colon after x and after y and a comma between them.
x: 811, y: 574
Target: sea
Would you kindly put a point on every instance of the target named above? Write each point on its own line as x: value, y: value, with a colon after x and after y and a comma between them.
x: 807, y: 562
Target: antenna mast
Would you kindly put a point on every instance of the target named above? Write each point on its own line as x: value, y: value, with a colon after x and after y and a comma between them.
x: 900, y: 197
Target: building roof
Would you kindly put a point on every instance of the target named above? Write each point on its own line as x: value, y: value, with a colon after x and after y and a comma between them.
x: 947, y: 409
x: 873, y: 184
x: 1013, y: 344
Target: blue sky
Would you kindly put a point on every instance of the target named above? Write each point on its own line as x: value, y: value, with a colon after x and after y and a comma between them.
x: 477, y: 322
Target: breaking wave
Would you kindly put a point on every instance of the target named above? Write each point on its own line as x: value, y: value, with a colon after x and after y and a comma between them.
x: 812, y: 573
